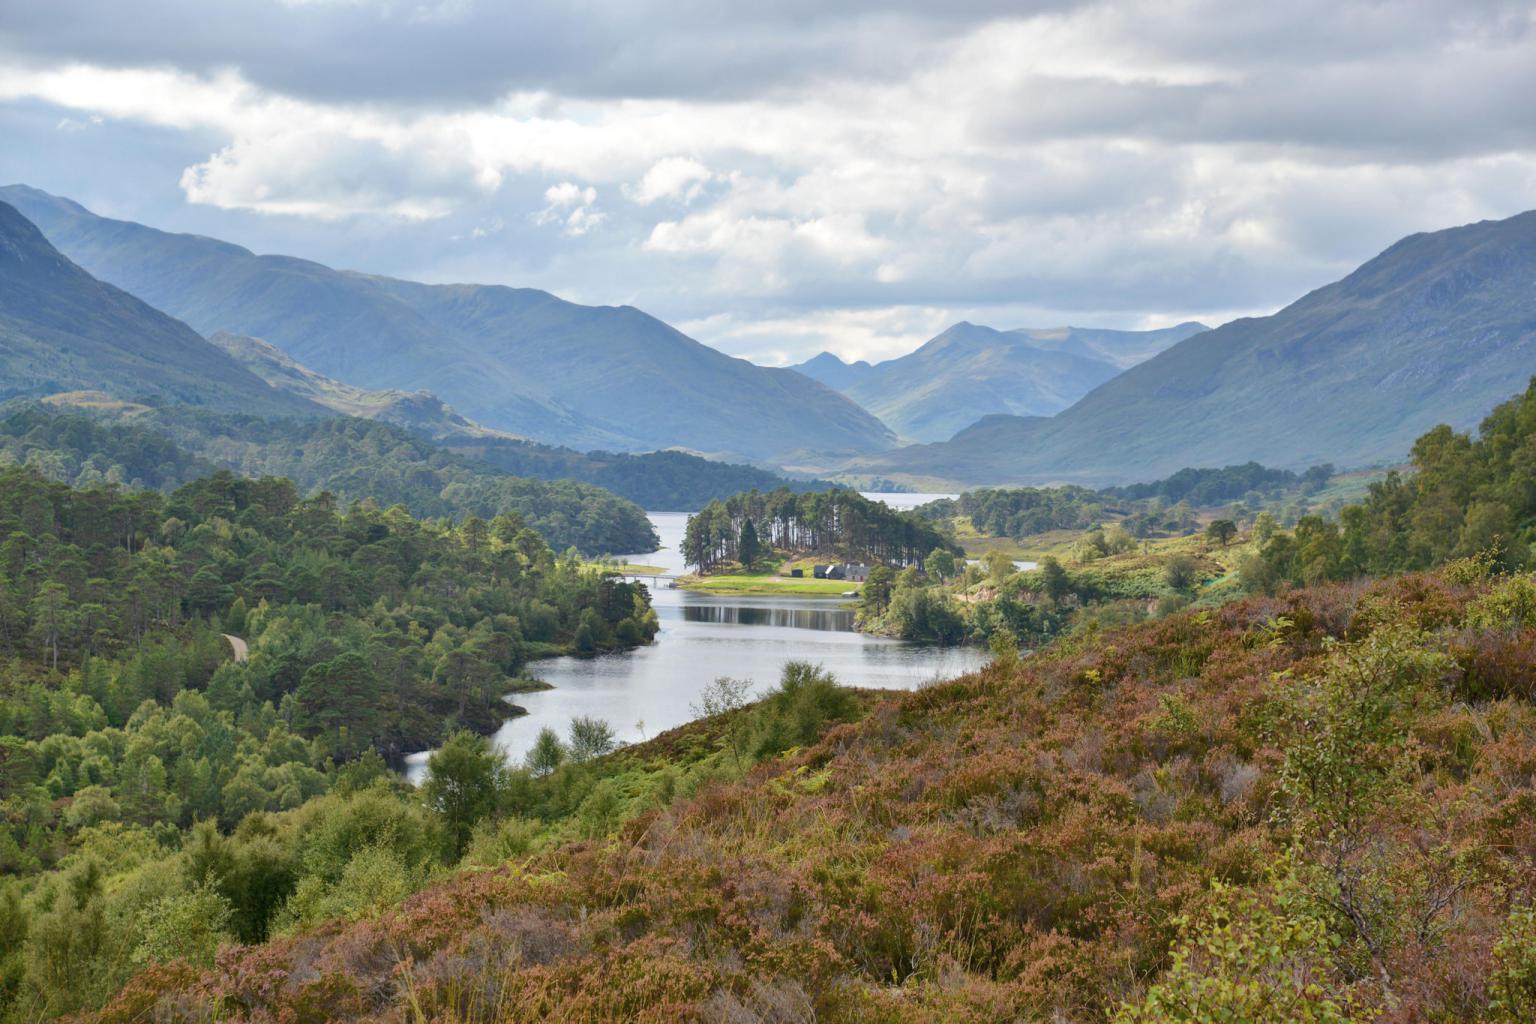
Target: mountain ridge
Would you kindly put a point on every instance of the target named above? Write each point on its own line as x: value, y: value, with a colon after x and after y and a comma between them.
x: 971, y: 370
x: 1438, y: 327
x: 475, y: 346
x: 63, y: 330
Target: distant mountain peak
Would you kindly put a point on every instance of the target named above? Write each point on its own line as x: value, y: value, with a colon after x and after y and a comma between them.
x: 1438, y: 328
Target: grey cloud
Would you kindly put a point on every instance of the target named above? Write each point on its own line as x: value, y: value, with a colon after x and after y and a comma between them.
x: 475, y: 52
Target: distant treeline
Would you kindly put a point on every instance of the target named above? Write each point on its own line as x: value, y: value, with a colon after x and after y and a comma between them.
x: 353, y: 459
x: 1021, y: 511
x: 657, y: 481
x: 1205, y: 487
x: 841, y: 522
x: 1143, y: 509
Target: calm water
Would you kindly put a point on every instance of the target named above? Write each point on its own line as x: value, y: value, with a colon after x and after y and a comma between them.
x: 648, y: 690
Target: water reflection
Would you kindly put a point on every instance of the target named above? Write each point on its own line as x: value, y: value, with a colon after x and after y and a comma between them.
x: 840, y: 619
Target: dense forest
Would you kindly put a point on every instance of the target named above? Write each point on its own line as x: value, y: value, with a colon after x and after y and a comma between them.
x: 131, y: 728
x: 367, y: 629
x: 839, y: 522
x: 351, y: 458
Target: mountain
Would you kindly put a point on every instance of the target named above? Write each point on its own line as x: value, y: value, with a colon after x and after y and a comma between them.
x: 62, y: 330
x: 1439, y: 328
x: 1124, y: 349
x: 418, y: 411
x: 513, y: 359
x: 832, y: 371
x: 970, y: 371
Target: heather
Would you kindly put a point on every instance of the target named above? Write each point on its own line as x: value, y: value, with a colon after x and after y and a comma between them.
x: 1311, y: 806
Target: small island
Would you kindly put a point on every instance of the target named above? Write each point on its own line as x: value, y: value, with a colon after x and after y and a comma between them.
x: 818, y: 544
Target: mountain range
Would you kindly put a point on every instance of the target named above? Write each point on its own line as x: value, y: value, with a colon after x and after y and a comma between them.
x: 514, y: 359
x: 1438, y: 328
x: 62, y: 330
x: 970, y: 371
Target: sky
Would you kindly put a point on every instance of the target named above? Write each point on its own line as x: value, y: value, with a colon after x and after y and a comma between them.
x: 781, y: 178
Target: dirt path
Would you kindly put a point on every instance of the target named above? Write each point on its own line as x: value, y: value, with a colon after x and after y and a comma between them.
x: 241, y: 648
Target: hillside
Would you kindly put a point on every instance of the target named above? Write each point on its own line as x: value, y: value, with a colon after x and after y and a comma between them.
x: 1438, y: 328
x: 63, y: 330
x: 1307, y: 808
x: 419, y: 411
x: 517, y: 360
x: 666, y: 480
x: 970, y: 371
x: 73, y: 440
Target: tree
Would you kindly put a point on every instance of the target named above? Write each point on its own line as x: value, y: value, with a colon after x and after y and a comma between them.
x: 999, y: 565
x: 721, y: 697
x: 941, y: 563
x: 1182, y: 572
x: 52, y: 618
x: 464, y: 780
x: 1250, y: 959
x: 1264, y: 527
x: 547, y: 753
x: 1056, y: 584
x: 1221, y: 532
x: 186, y: 926
x: 341, y: 696
x: 590, y: 737
x: 876, y: 595
x: 748, y: 547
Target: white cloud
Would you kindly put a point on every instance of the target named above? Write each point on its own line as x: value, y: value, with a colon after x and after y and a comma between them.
x: 571, y: 206
x: 676, y: 177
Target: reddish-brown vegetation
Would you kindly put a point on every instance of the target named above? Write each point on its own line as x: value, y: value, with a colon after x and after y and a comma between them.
x: 1026, y: 843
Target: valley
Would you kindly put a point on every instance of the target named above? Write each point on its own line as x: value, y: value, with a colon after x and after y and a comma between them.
x: 767, y: 514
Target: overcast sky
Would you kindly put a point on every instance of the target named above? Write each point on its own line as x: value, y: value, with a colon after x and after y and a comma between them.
x: 779, y: 178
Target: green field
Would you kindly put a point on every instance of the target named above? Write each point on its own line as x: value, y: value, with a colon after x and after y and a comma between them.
x: 766, y: 583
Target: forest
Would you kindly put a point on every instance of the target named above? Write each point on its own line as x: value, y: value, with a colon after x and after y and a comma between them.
x: 124, y: 713
x: 351, y: 458
x: 842, y: 523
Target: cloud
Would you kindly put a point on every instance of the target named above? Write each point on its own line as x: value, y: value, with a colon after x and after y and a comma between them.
x: 837, y: 175
x: 572, y: 206
x: 676, y: 177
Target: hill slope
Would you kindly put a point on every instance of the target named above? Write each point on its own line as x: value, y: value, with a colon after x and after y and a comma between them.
x: 1016, y: 845
x: 1438, y: 328
x: 664, y: 480
x: 420, y: 411
x: 518, y: 360
x: 63, y: 330
x: 970, y: 371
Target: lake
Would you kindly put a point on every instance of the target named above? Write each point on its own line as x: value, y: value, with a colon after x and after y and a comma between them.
x: 650, y: 689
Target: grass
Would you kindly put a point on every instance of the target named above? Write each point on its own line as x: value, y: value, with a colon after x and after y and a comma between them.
x: 635, y: 569
x: 767, y: 583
